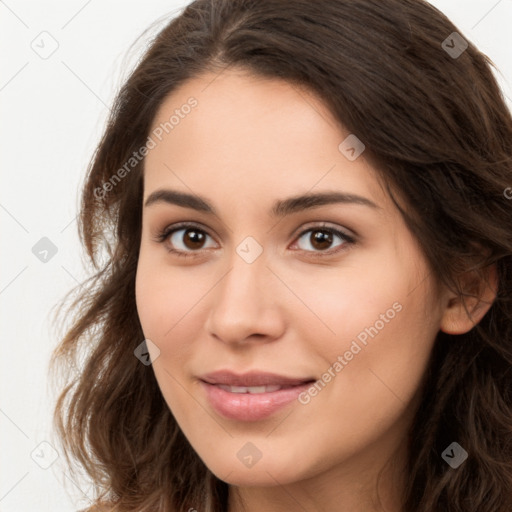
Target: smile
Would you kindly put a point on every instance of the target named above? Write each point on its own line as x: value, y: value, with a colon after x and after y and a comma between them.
x: 250, y: 403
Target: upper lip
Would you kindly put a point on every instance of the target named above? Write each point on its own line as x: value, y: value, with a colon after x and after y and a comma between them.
x: 252, y: 378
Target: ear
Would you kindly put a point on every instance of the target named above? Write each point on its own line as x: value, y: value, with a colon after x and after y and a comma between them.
x: 462, y: 313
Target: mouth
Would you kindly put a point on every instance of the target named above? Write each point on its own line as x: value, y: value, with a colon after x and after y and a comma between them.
x: 251, y: 396
x: 252, y: 380
x: 251, y: 389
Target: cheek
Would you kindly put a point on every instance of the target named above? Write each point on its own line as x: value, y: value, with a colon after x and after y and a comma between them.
x: 163, y: 300
x: 342, y: 303
x: 380, y: 360
x: 163, y: 294
x: 171, y: 304
x: 372, y: 372
x: 382, y: 327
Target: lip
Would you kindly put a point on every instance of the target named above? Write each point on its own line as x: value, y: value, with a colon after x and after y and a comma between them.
x: 251, y: 406
x: 252, y: 378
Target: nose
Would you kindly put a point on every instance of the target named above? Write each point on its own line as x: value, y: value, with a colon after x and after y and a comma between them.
x: 245, y: 304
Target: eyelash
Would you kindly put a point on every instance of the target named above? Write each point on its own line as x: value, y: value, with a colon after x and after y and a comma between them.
x: 163, y: 235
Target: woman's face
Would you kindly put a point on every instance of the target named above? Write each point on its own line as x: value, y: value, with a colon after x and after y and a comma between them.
x: 333, y: 291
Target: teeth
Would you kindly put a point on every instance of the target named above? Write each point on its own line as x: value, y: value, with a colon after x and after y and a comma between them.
x: 249, y: 389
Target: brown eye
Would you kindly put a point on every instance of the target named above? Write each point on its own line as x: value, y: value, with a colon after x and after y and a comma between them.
x: 184, y: 240
x: 321, y: 239
x: 190, y: 240
x: 193, y: 238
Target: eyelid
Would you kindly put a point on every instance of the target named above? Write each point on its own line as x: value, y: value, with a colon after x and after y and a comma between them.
x: 162, y: 235
x: 348, y: 234
x: 349, y: 238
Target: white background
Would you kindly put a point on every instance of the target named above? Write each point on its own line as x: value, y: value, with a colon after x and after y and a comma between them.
x: 52, y: 115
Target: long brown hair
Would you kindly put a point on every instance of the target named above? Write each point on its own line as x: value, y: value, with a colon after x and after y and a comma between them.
x: 436, y: 126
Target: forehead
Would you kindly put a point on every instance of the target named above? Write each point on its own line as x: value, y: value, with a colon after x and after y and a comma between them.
x: 252, y: 136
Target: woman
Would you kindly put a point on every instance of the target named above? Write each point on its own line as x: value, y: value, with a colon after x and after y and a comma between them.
x: 306, y: 303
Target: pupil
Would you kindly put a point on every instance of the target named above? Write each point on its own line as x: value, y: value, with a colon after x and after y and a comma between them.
x: 323, y: 238
x: 195, y: 238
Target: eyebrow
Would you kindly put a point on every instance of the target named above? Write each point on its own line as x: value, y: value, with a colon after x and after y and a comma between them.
x: 280, y: 208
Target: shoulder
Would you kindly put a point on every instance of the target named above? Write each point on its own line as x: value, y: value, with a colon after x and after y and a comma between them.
x: 103, y: 507
x: 99, y: 507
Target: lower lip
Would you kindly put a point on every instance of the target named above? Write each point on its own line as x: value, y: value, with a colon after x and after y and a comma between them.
x: 250, y: 406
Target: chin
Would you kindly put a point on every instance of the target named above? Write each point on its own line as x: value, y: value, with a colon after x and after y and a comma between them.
x: 262, y: 474
x: 255, y: 478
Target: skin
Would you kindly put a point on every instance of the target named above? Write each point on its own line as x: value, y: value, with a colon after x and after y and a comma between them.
x: 249, y: 142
